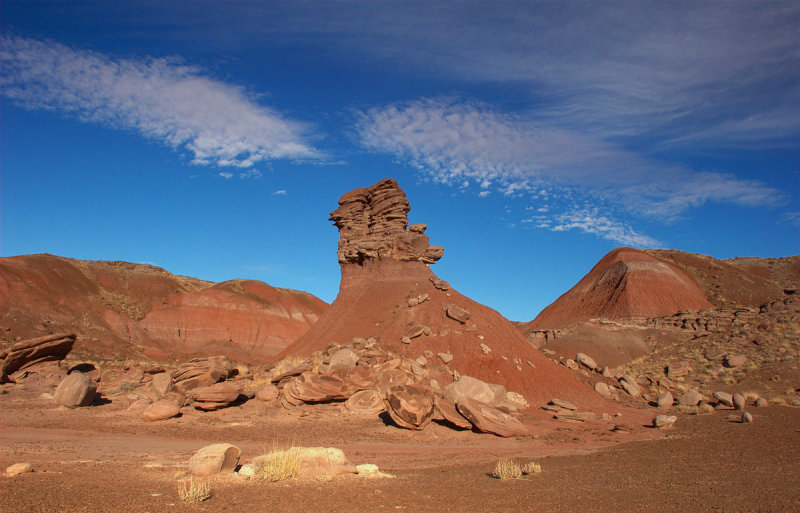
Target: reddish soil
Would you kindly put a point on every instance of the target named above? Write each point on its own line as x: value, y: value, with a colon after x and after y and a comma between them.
x: 131, y: 310
x: 625, y: 284
x: 104, y: 459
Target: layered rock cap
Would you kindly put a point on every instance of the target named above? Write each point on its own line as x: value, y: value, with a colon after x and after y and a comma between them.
x: 373, y: 224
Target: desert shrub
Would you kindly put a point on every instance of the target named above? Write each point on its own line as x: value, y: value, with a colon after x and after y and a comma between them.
x: 531, y: 468
x: 127, y: 386
x: 705, y: 408
x: 507, y: 469
x: 278, y: 465
x: 194, y: 491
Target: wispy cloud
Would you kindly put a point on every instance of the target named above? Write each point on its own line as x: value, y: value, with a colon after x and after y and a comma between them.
x: 162, y: 99
x: 590, y: 221
x: 280, y: 192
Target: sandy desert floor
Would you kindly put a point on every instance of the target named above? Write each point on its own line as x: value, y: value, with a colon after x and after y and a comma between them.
x: 104, y: 459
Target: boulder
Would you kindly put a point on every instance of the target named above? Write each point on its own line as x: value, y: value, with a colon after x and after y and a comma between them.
x: 27, y: 353
x: 410, y: 406
x: 447, y: 409
x: 323, y: 462
x: 665, y: 399
x: 214, y: 397
x: 213, y: 459
x: 267, y: 393
x: 664, y: 421
x: 343, y: 359
x: 747, y: 417
x: 385, y: 379
x: 469, y: 387
x: 724, y: 398
x: 202, y: 372
x: 739, y: 401
x: 161, y: 384
x: 317, y: 388
x: 488, y: 419
x: 677, y: 369
x: 630, y: 385
x: 161, y: 410
x: 690, y: 398
x: 365, y: 402
x: 76, y: 390
x: 586, y: 360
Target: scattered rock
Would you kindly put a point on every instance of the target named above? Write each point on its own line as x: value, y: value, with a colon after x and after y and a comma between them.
x: 445, y: 357
x: 629, y: 384
x: 161, y: 384
x: 19, y: 468
x: 267, y: 393
x: 515, y: 401
x: 739, y: 401
x: 486, y: 349
x: 724, y: 398
x: 440, y: 284
x: 678, y: 368
x: 735, y: 360
x: 665, y: 399
x: 215, y: 396
x: 488, y: 419
x: 761, y: 402
x: 664, y: 421
x: 586, y: 360
x: 343, y: 359
x: 410, y: 406
x: 161, y: 410
x: 213, y: 459
x: 690, y: 398
x: 202, y: 372
x: 602, y: 389
x: 566, y: 405
x: 747, y: 417
x: 456, y: 313
x: 571, y: 364
x: 575, y: 416
x: 76, y: 390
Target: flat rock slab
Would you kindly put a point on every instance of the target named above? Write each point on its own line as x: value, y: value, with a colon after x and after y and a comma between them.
x: 488, y: 419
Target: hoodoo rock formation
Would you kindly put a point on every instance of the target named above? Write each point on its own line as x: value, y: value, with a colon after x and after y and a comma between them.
x: 133, y: 310
x: 389, y: 293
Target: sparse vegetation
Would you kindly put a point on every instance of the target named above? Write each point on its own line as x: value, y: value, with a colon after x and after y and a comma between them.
x: 127, y: 386
x: 705, y: 409
x: 531, y: 468
x: 194, y: 491
x: 507, y: 469
x: 278, y: 465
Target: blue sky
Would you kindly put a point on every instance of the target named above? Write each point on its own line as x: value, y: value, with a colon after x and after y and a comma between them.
x: 213, y: 138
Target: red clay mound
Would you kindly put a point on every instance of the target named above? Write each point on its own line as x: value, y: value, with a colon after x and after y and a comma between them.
x: 388, y: 292
x: 625, y: 284
x: 124, y: 309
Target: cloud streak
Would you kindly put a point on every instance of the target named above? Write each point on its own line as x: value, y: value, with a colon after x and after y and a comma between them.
x: 161, y: 99
x: 453, y: 142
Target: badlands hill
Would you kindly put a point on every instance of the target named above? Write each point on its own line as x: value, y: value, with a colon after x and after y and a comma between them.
x: 388, y: 292
x: 121, y: 309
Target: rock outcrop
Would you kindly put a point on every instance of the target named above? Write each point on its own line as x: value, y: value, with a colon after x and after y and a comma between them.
x: 27, y: 353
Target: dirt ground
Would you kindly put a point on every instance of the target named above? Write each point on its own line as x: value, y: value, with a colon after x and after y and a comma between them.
x: 104, y: 459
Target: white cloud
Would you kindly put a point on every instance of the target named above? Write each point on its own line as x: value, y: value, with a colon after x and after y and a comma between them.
x: 280, y: 192
x: 162, y: 99
x: 590, y: 221
x: 226, y: 175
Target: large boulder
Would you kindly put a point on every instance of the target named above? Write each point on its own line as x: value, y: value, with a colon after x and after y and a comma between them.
x: 343, y: 359
x: 365, y: 402
x: 213, y: 459
x: 202, y: 372
x: 26, y: 353
x: 214, y: 397
x: 161, y: 410
x: 317, y: 388
x: 487, y: 419
x: 469, y: 387
x: 690, y: 398
x: 410, y: 406
x: 76, y: 390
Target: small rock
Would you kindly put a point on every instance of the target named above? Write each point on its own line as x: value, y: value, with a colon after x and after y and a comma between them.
x: 724, y: 398
x: 571, y: 364
x: 739, y: 401
x: 761, y: 402
x: 161, y: 384
x: 563, y: 404
x: 733, y: 361
x: 267, y: 393
x: 247, y: 470
x: 746, y: 417
x: 457, y: 313
x: 586, y: 360
x: 629, y: 384
x: 405, y: 340
x: 664, y: 421
x: 367, y: 469
x: 445, y: 357
x: 19, y: 468
x: 665, y: 399
x: 343, y: 359
x: 428, y: 353
x: 602, y: 389
x: 690, y: 398
x: 678, y: 368
x: 161, y: 410
x: 486, y: 349
x: 213, y: 459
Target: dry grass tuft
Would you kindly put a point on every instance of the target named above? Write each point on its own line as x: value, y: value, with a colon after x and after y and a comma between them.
x: 194, y: 491
x: 507, y: 469
x: 531, y: 468
x: 278, y: 465
x: 705, y: 409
